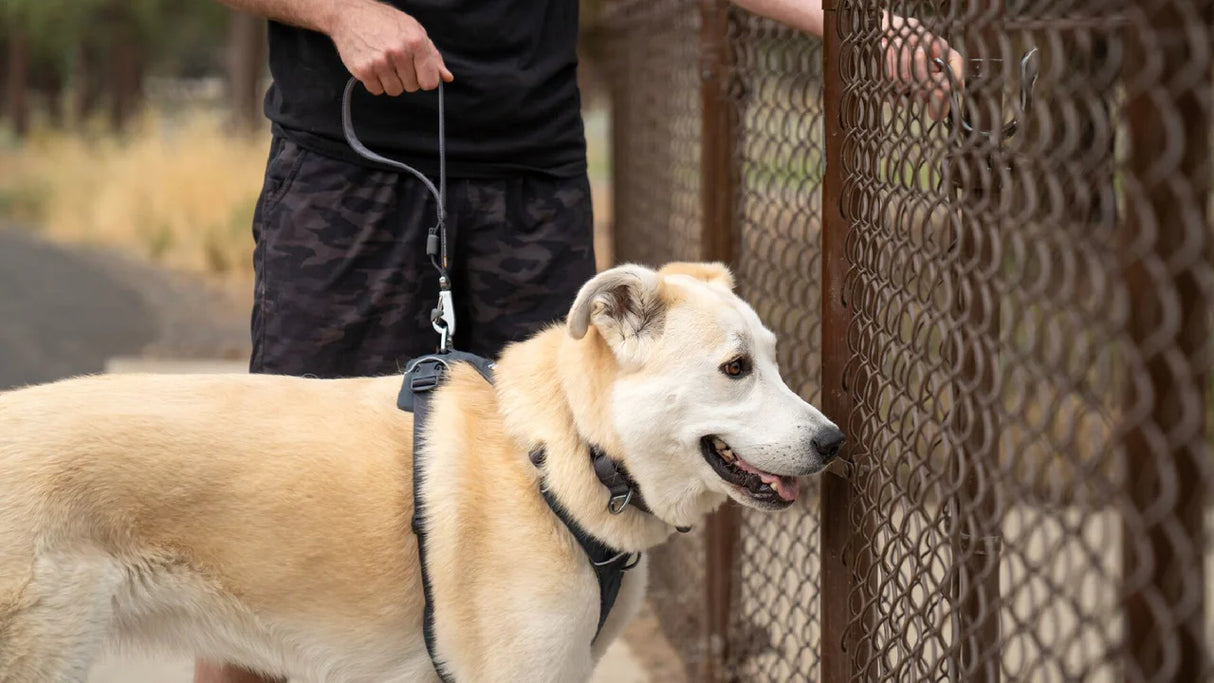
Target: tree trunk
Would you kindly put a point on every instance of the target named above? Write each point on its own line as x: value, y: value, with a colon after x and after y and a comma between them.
x: 122, y: 64
x: 89, y: 70
x: 126, y: 79
x: 17, y: 93
x: 246, y: 63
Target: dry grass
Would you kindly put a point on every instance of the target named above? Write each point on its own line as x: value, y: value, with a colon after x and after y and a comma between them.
x: 178, y: 191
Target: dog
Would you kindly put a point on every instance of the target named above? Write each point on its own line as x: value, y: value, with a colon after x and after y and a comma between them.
x: 264, y: 520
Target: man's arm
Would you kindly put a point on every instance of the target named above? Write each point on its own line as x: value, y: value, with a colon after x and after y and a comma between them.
x: 910, y: 51
x: 382, y: 46
x: 803, y: 15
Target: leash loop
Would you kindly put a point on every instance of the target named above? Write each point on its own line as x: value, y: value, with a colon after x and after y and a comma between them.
x: 442, y: 318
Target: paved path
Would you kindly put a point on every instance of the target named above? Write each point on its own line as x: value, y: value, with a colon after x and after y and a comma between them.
x: 62, y: 315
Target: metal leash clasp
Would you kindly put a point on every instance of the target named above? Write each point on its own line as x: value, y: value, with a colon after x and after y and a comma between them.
x: 442, y: 318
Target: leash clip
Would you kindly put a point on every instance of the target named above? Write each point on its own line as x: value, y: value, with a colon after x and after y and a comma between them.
x: 443, y: 317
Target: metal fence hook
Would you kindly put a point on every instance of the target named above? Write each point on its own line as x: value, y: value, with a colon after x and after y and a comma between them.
x: 958, y: 115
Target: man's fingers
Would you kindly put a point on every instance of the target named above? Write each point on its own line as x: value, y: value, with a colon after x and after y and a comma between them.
x: 925, y: 69
x: 906, y: 65
x: 957, y: 64
x: 427, y: 78
x: 370, y: 81
x: 402, y: 67
x: 938, y: 105
x: 911, y: 54
x: 891, y: 67
x: 431, y: 70
x: 389, y: 78
x: 428, y: 69
x: 441, y: 66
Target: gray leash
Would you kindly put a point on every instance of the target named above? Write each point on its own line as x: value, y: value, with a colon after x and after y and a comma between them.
x: 443, y: 316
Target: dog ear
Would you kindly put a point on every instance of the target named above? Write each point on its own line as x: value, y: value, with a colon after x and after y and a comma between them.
x: 713, y: 273
x: 624, y: 303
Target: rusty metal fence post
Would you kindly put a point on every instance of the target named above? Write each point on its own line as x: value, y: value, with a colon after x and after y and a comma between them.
x: 717, y: 187
x: 1168, y: 240
x: 838, y: 572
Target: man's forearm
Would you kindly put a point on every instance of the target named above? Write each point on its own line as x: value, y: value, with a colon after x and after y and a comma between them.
x: 804, y: 15
x: 318, y: 15
x: 384, y: 48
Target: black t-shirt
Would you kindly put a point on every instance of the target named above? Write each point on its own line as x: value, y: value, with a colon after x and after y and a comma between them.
x: 514, y: 105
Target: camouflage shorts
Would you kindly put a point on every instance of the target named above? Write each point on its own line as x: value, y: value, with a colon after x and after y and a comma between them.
x: 343, y: 284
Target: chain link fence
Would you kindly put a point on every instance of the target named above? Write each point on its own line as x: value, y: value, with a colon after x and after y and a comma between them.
x: 652, y: 57
x: 775, y: 94
x: 1014, y: 332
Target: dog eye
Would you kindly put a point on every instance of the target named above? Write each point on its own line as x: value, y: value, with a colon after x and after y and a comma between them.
x: 737, y: 367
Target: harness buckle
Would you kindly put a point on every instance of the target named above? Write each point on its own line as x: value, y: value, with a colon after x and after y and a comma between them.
x: 619, y: 501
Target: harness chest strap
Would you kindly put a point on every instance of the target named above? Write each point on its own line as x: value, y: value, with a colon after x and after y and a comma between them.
x: 609, y: 564
x: 422, y: 376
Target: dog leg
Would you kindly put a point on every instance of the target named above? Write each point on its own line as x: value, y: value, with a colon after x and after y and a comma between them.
x: 54, y: 624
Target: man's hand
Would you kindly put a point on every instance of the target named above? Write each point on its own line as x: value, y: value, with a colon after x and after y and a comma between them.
x: 386, y: 49
x: 910, y: 54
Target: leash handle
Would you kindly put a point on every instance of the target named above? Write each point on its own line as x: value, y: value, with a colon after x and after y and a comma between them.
x: 443, y: 316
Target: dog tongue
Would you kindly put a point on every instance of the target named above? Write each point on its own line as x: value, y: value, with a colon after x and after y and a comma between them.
x: 786, y: 487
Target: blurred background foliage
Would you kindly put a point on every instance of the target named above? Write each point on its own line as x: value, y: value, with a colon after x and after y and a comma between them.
x: 138, y: 124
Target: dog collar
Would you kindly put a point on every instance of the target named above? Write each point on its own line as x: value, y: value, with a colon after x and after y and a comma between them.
x: 623, y: 488
x: 612, y: 474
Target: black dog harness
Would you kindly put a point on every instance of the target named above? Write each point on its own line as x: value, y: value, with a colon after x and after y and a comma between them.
x: 422, y: 376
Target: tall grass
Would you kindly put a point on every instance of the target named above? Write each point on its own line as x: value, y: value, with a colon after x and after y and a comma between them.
x: 180, y: 191
x: 177, y: 189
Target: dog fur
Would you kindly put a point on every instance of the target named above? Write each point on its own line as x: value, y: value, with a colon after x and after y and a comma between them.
x: 265, y: 520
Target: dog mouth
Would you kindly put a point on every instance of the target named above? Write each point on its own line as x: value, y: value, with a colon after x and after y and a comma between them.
x: 770, y: 490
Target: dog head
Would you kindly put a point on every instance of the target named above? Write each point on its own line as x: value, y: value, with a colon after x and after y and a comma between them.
x: 697, y: 403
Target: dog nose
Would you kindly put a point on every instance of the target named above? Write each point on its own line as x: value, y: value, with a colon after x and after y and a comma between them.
x: 828, y: 442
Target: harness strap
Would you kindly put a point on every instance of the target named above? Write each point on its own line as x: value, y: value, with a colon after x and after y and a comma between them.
x: 418, y: 372
x: 609, y: 564
x: 423, y: 376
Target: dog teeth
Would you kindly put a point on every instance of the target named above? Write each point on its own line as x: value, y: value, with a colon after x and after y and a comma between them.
x: 723, y: 449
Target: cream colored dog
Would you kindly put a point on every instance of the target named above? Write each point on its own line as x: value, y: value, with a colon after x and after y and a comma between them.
x: 265, y: 521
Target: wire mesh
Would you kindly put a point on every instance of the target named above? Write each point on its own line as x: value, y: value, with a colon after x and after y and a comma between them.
x: 653, y: 62
x: 1027, y: 325
x: 775, y: 87
x: 653, y: 52
x: 1004, y: 400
